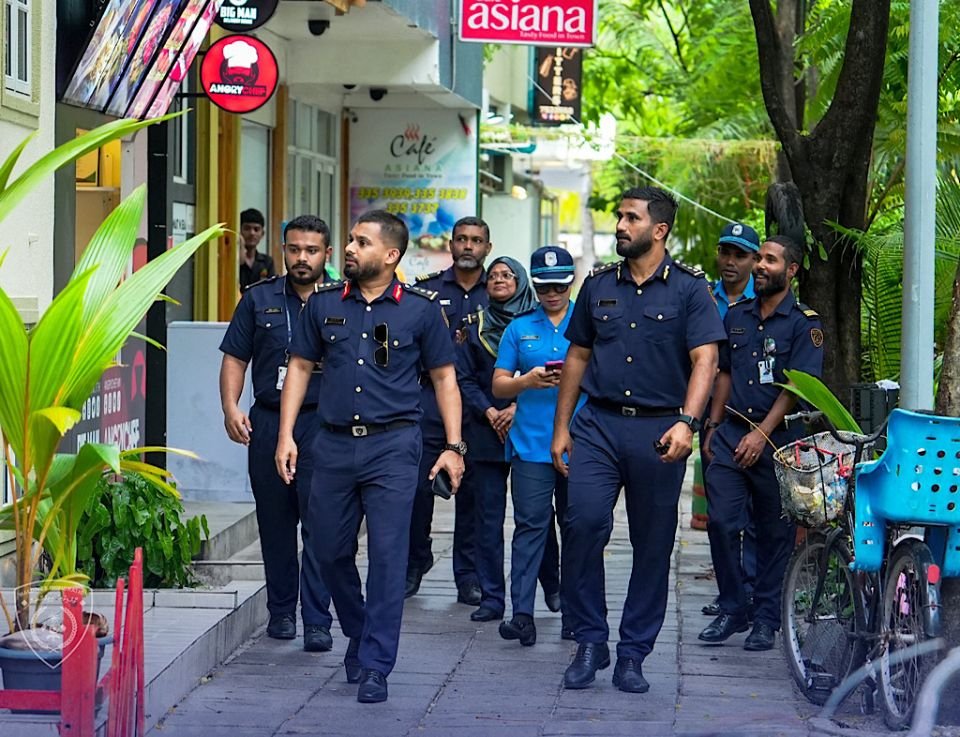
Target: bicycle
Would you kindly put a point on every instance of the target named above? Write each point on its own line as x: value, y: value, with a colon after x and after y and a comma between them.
x: 841, y: 611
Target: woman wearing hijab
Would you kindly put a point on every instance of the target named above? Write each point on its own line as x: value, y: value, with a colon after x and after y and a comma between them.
x: 486, y: 421
x: 528, y: 369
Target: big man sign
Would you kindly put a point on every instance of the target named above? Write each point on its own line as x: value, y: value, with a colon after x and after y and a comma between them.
x: 533, y: 22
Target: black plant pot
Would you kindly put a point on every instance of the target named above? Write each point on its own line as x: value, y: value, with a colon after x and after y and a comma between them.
x: 39, y: 671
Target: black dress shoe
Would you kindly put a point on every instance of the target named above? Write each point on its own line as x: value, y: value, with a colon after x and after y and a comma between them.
x: 567, y: 633
x: 351, y: 663
x: 762, y: 637
x: 522, y: 628
x: 373, y: 687
x: 723, y: 627
x: 552, y: 601
x: 414, y: 577
x: 590, y: 657
x: 469, y: 593
x: 316, y: 638
x: 713, y: 608
x: 485, y: 614
x: 627, y: 676
x: 282, y: 627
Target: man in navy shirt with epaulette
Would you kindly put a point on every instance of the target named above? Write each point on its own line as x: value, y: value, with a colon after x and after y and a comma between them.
x: 260, y: 331
x: 373, y: 334
x: 643, y: 336
x: 462, y: 291
x: 767, y: 334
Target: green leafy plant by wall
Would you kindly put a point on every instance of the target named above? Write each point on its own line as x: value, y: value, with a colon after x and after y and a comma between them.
x: 132, y: 513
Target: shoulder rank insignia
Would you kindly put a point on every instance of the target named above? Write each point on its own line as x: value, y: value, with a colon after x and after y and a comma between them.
x: 426, y: 277
x: 426, y: 293
x: 604, y: 268
x: 810, y: 314
x: 268, y: 280
x: 692, y: 270
x: 328, y: 286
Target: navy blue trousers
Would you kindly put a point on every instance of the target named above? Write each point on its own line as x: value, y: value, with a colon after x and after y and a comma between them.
x: 610, y: 451
x: 373, y: 477
x: 280, y: 508
x: 535, y: 487
x: 729, y: 489
x: 486, y: 482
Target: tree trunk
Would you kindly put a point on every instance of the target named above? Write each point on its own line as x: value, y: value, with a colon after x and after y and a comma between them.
x: 948, y: 394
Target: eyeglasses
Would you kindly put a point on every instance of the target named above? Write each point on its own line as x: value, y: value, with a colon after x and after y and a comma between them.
x: 381, y: 335
x: 547, y: 288
x: 501, y: 276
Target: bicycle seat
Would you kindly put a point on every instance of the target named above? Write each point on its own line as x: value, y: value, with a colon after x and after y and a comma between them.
x: 914, y: 482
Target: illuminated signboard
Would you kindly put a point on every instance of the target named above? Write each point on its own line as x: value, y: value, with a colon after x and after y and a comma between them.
x: 239, y: 74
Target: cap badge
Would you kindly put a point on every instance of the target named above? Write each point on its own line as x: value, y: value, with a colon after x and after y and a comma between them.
x: 550, y: 258
x: 737, y: 229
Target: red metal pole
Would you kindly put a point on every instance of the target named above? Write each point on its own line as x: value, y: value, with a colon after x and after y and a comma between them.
x: 78, y: 669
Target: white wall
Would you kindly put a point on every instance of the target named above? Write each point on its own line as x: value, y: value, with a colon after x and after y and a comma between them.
x: 27, y: 234
x: 514, y: 226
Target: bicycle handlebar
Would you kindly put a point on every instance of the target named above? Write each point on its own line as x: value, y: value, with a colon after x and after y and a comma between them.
x: 858, y: 443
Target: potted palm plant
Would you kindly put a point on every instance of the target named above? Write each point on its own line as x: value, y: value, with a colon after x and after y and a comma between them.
x: 46, y: 374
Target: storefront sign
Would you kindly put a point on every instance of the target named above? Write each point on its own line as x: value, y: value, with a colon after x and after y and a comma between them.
x: 245, y: 15
x: 421, y: 165
x: 557, y: 92
x: 534, y: 22
x: 239, y: 74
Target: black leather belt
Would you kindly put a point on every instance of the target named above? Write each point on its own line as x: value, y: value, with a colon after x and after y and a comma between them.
x: 361, y: 431
x: 745, y: 422
x: 635, y: 411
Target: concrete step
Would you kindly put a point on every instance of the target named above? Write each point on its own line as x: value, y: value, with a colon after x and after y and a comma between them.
x: 244, y: 565
x: 233, y: 527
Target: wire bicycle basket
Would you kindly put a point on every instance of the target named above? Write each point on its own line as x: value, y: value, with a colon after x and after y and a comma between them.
x: 814, y: 475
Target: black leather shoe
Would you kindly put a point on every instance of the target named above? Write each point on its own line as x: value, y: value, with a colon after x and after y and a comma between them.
x: 469, y: 593
x: 414, y: 577
x: 316, y: 638
x: 552, y: 601
x: 761, y: 638
x: 373, y: 687
x: 590, y: 657
x: 483, y: 614
x: 723, y: 627
x: 520, y: 628
x: 351, y: 663
x: 628, y: 676
x: 282, y: 627
x: 713, y: 608
x: 567, y: 633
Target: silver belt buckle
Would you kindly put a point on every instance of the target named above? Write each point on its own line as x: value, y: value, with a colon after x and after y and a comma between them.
x: 358, y: 431
x: 628, y: 411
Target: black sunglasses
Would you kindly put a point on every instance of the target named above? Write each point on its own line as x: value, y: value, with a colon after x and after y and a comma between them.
x: 547, y: 288
x: 381, y: 334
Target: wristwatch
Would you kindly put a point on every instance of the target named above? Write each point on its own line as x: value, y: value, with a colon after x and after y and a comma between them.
x: 460, y: 447
x: 693, y: 422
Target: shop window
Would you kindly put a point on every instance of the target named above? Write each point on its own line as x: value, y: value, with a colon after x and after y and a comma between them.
x: 181, y: 155
x: 16, y: 43
x: 255, y: 173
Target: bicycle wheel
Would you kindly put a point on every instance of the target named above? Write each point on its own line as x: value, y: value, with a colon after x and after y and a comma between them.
x: 907, y: 600
x: 819, y: 637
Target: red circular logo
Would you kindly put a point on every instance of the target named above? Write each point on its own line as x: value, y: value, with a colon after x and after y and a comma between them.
x: 239, y: 74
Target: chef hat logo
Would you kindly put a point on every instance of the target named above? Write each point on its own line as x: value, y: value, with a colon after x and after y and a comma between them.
x: 240, y: 63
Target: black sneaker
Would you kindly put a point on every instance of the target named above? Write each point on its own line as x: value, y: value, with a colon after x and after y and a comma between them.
x: 316, y: 638
x: 522, y: 628
x: 282, y: 627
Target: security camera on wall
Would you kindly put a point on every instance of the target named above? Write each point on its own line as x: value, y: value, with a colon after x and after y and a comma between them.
x: 378, y: 93
x: 317, y: 27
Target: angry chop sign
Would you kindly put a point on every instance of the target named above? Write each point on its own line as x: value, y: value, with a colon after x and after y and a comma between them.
x: 534, y: 22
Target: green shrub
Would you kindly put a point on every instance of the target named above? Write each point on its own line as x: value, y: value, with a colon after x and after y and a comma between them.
x: 132, y: 513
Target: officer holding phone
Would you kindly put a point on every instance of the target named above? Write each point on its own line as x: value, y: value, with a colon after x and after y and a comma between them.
x: 528, y: 368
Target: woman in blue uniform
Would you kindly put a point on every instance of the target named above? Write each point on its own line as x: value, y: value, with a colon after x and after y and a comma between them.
x: 528, y: 370
x: 486, y: 421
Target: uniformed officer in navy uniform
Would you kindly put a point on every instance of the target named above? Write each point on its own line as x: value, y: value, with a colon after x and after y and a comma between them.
x: 462, y: 291
x: 261, y: 330
x: 373, y: 334
x: 643, y: 336
x: 767, y: 334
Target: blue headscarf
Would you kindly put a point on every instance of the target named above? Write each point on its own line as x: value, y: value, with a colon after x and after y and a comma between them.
x: 495, y: 318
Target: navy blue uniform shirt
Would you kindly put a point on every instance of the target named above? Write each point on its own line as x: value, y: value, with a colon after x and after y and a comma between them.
x: 641, y: 335
x: 339, y: 327
x: 475, y: 366
x: 456, y: 302
x: 791, y: 336
x: 259, y: 331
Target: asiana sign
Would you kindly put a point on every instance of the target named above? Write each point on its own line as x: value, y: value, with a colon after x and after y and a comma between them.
x: 533, y: 22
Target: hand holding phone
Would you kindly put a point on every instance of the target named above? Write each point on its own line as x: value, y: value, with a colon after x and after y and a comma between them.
x: 553, y: 366
x: 442, y: 487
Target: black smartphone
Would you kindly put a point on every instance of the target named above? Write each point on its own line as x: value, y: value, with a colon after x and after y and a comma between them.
x: 661, y: 448
x: 553, y: 365
x: 442, y: 486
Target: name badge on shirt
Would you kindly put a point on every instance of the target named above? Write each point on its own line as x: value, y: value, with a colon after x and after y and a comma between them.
x: 737, y: 331
x: 334, y: 321
x: 529, y: 337
x: 606, y: 303
x: 445, y: 302
x: 273, y: 311
x: 765, y: 368
x: 281, y: 376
